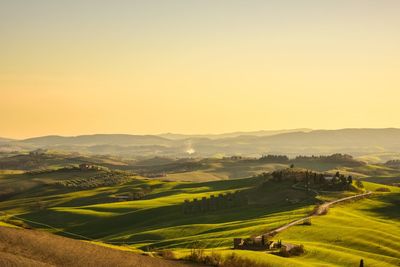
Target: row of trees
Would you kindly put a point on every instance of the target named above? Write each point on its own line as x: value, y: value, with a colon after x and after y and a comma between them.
x: 334, y: 158
x: 314, y: 179
x: 393, y: 163
x: 341, y: 179
x: 97, y: 180
x: 338, y: 157
x: 274, y: 158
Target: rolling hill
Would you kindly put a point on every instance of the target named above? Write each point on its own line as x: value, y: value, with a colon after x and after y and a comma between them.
x: 21, y: 247
x: 358, y: 142
x: 96, y: 139
x: 5, y: 140
x: 173, y: 136
x: 148, y: 214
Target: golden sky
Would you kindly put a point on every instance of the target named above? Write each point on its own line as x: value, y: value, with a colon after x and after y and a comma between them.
x: 81, y: 67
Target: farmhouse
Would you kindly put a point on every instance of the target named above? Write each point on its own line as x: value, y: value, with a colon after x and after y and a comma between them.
x: 263, y: 244
x: 253, y: 243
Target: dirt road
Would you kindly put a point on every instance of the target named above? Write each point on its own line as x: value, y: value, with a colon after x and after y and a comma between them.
x: 320, y: 210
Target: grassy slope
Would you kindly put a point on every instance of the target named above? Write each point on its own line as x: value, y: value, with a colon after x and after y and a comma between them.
x: 158, y: 221
x: 225, y: 169
x: 368, y: 229
x: 4, y: 224
x: 20, y: 247
x: 228, y: 169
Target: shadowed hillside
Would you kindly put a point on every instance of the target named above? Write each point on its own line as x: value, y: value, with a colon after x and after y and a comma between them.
x: 21, y: 247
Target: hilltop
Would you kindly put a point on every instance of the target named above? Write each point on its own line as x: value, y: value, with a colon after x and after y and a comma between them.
x: 96, y: 139
x: 358, y: 142
x: 4, y: 140
x: 173, y: 136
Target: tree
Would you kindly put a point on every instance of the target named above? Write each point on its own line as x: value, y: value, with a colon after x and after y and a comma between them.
x: 277, y: 176
x: 350, y: 179
x: 343, y: 180
x: 274, y: 158
x: 359, y: 184
x: 291, y: 166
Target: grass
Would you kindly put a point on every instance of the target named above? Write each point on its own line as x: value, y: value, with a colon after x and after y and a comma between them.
x: 386, y: 180
x: 159, y: 215
x: 196, y: 176
x: 224, y: 170
x: 21, y: 247
x: 4, y: 224
x: 363, y: 229
x: 368, y: 229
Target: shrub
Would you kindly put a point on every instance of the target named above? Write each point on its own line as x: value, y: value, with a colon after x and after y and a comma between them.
x: 214, y: 259
x: 297, y: 251
x: 196, y: 255
x: 283, y: 253
x: 359, y: 184
x: 166, y: 254
x: 233, y: 260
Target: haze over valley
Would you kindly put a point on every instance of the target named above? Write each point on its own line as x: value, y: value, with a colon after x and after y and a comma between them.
x: 357, y: 142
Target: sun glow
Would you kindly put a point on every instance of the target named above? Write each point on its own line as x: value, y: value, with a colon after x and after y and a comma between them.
x: 74, y: 69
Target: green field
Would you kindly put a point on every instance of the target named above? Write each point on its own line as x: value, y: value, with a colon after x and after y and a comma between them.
x: 368, y: 229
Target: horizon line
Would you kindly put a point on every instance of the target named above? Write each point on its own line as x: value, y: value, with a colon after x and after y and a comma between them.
x: 202, y: 134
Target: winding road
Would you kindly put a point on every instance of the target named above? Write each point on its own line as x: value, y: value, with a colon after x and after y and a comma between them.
x: 320, y: 210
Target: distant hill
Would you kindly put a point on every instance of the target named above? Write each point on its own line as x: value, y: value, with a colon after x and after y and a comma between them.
x: 45, y: 160
x: 7, y: 146
x: 96, y: 139
x: 173, y: 136
x: 5, y: 140
x: 357, y: 142
x: 352, y: 141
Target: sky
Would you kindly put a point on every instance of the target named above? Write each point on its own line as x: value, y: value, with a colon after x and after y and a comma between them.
x: 146, y: 67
